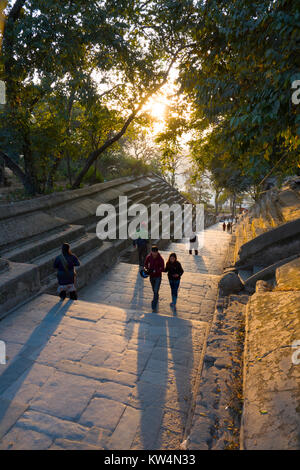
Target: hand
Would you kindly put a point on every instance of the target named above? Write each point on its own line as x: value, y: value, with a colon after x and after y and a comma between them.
x: 175, y: 275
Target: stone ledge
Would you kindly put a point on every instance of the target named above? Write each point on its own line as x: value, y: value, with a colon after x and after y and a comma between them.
x: 17, y: 283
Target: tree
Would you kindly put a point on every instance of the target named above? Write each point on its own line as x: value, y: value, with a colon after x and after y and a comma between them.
x: 197, y: 185
x: 48, y: 46
x: 238, y: 78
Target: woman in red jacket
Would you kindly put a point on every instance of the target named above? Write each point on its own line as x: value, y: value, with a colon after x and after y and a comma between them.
x: 154, y: 266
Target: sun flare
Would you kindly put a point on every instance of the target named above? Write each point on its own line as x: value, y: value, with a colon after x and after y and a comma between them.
x: 158, y: 110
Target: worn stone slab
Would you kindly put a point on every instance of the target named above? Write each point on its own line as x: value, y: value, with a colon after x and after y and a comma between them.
x: 59, y: 348
x: 102, y: 412
x: 288, y: 276
x: 21, y: 439
x: 29, y: 384
x: 65, y: 444
x: 51, y: 426
x: 9, y: 414
x: 271, y: 416
x: 126, y: 429
x: 64, y: 396
x: 147, y: 432
x: 97, y: 373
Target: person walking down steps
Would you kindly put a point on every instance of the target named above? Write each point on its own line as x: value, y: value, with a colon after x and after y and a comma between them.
x: 66, y: 274
x: 141, y: 242
x: 175, y: 271
x: 155, y: 266
x: 193, y: 244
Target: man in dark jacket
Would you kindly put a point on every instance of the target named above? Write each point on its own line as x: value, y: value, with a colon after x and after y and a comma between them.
x: 155, y: 266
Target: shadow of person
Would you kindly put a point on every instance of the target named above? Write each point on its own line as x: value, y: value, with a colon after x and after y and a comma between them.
x: 165, y: 380
x: 22, y: 364
x: 136, y: 304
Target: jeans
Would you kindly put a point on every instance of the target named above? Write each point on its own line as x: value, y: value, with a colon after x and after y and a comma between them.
x: 174, y: 284
x: 155, y: 283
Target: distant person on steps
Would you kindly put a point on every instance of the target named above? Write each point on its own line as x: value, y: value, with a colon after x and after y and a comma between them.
x: 141, y: 240
x: 193, y: 244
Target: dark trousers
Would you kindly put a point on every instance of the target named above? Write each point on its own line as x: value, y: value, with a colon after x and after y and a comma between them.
x: 73, y: 295
x: 142, y: 251
x: 155, y: 283
x: 174, y: 284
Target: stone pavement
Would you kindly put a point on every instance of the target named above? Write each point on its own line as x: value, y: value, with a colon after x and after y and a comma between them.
x: 104, y: 372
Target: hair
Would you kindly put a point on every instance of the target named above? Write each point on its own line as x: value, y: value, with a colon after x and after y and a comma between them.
x: 154, y: 248
x: 172, y: 255
x: 66, y: 249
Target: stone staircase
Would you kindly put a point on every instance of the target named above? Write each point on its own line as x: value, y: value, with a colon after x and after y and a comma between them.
x: 104, y: 372
x: 31, y: 234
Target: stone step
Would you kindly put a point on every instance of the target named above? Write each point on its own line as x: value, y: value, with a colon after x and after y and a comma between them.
x: 92, y: 263
x: 28, y: 227
x: 83, y: 245
x: 32, y: 249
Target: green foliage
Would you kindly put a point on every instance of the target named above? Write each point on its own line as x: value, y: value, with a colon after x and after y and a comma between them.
x: 93, y: 176
x: 77, y: 74
x: 239, y: 79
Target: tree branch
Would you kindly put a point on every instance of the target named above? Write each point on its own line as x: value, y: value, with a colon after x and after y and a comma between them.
x: 13, y: 166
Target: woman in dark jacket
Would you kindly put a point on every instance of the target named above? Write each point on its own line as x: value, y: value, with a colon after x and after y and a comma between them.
x: 66, y: 274
x: 175, y: 271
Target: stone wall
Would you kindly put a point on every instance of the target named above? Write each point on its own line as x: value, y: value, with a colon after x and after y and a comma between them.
x: 266, y: 264
x: 271, y: 229
x: 271, y: 413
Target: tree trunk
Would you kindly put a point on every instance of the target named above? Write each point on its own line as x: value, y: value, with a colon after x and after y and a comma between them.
x: 218, y: 192
x: 2, y: 173
x: 50, y: 180
x: 31, y: 182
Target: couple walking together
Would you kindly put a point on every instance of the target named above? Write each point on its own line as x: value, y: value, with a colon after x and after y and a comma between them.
x: 154, y: 266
